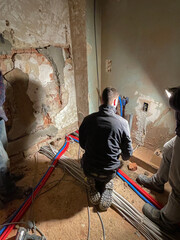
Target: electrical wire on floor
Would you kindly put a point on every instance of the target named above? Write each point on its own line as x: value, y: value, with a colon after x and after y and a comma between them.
x: 49, y: 150
x: 12, y: 223
x: 50, y: 188
x: 102, y: 224
x: 144, y: 225
x: 31, y: 213
x: 34, y: 182
x: 136, y: 147
x: 89, y: 217
x: 89, y: 223
x: 17, y: 215
x: 89, y: 220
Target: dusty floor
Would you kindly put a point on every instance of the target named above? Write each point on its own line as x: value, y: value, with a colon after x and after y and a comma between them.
x: 62, y: 212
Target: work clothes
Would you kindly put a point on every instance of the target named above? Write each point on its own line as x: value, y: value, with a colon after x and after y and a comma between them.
x: 2, y: 99
x: 4, y: 159
x: 6, y: 184
x: 170, y: 167
x: 3, y: 137
x: 174, y: 102
x: 104, y: 136
x: 170, y: 171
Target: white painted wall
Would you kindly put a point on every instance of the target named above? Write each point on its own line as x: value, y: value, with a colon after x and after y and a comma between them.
x: 142, y: 38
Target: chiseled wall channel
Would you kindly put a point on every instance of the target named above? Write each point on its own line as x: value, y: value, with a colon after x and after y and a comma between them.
x: 142, y: 38
x: 37, y: 63
x: 93, y: 38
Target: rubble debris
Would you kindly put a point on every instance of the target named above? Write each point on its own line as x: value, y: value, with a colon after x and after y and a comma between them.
x: 146, y: 173
x: 132, y: 166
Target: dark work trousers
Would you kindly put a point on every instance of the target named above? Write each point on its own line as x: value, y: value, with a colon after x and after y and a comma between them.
x: 170, y: 171
x: 100, y: 179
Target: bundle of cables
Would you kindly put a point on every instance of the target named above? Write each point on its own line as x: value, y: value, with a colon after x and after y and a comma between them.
x: 10, y: 224
x: 145, y: 226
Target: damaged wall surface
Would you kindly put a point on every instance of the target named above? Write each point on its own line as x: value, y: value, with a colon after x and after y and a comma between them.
x: 35, y: 23
x: 93, y: 38
x: 142, y: 41
x: 77, y: 14
x: 36, y: 61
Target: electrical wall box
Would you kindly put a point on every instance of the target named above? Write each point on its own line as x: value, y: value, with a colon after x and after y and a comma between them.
x: 145, y: 107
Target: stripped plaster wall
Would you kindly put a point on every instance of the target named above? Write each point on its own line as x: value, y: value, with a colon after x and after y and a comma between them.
x: 35, y: 23
x: 36, y: 61
x: 77, y: 12
x: 142, y: 40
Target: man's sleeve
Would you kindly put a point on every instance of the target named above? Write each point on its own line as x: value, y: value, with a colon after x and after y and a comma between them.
x: 174, y: 100
x: 2, y: 90
x: 83, y: 134
x: 126, y: 143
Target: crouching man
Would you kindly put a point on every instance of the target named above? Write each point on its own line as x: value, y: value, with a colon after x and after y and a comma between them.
x: 104, y: 136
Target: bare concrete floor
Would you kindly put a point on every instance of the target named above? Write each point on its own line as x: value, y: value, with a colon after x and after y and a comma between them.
x: 61, y: 213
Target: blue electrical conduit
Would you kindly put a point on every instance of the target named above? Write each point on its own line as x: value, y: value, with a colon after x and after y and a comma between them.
x: 121, y: 106
x: 134, y: 189
x: 10, y: 219
x: 76, y: 139
x: 130, y: 185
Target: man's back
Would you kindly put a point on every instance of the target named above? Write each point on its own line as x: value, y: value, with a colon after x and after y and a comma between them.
x: 104, y: 136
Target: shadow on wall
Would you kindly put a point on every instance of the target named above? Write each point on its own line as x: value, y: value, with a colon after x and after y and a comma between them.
x: 19, y: 108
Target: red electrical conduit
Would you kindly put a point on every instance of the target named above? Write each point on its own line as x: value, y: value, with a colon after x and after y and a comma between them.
x: 143, y: 192
x: 29, y: 200
x: 74, y: 138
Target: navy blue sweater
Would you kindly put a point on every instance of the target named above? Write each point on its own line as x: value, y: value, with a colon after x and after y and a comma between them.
x: 174, y: 102
x: 104, y: 136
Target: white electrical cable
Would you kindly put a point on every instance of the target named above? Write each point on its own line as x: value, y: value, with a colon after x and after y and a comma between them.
x: 146, y: 227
